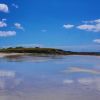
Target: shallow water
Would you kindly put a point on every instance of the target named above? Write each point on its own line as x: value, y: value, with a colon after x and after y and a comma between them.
x: 50, y: 78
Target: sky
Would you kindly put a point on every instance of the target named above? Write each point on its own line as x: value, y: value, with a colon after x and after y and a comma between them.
x: 67, y: 24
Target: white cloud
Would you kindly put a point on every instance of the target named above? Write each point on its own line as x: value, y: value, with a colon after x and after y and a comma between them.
x: 7, y: 33
x: 90, y: 27
x: 92, y: 21
x: 68, y: 26
x: 18, y: 26
x: 97, y: 21
x: 4, y: 8
x: 97, y: 28
x: 86, y: 27
x: 4, y: 19
x: 3, y: 24
x: 96, y: 40
x: 14, y: 5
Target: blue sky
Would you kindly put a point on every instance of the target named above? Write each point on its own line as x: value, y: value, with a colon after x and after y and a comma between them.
x: 66, y: 24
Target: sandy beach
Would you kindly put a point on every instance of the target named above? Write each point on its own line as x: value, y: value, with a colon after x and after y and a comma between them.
x: 9, y: 54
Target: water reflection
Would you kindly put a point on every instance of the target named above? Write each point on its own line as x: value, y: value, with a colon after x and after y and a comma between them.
x: 49, y: 78
x: 9, y: 80
x: 82, y: 70
x: 30, y: 57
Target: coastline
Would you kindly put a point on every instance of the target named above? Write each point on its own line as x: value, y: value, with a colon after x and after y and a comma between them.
x: 10, y: 54
x: 34, y: 54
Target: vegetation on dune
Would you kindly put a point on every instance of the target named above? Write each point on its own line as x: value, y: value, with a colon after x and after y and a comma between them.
x: 38, y: 50
x: 32, y: 50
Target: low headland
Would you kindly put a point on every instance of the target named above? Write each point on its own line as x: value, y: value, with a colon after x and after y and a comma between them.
x: 46, y: 51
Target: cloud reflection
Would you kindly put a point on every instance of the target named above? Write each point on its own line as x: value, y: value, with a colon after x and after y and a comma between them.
x: 4, y: 73
x: 8, y: 79
x: 82, y: 70
x: 91, y: 83
x: 68, y: 81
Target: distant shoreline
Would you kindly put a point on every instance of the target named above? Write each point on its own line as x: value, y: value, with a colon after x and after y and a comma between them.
x: 41, y: 51
x: 34, y: 51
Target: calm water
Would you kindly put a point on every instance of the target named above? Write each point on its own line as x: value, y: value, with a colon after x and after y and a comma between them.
x: 50, y: 78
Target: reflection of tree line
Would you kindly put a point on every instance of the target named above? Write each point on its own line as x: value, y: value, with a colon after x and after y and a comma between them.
x: 14, y: 57
x: 31, y: 57
x: 50, y: 51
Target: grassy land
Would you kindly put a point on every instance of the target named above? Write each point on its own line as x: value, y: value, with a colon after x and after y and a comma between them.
x: 50, y: 51
x: 32, y: 50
